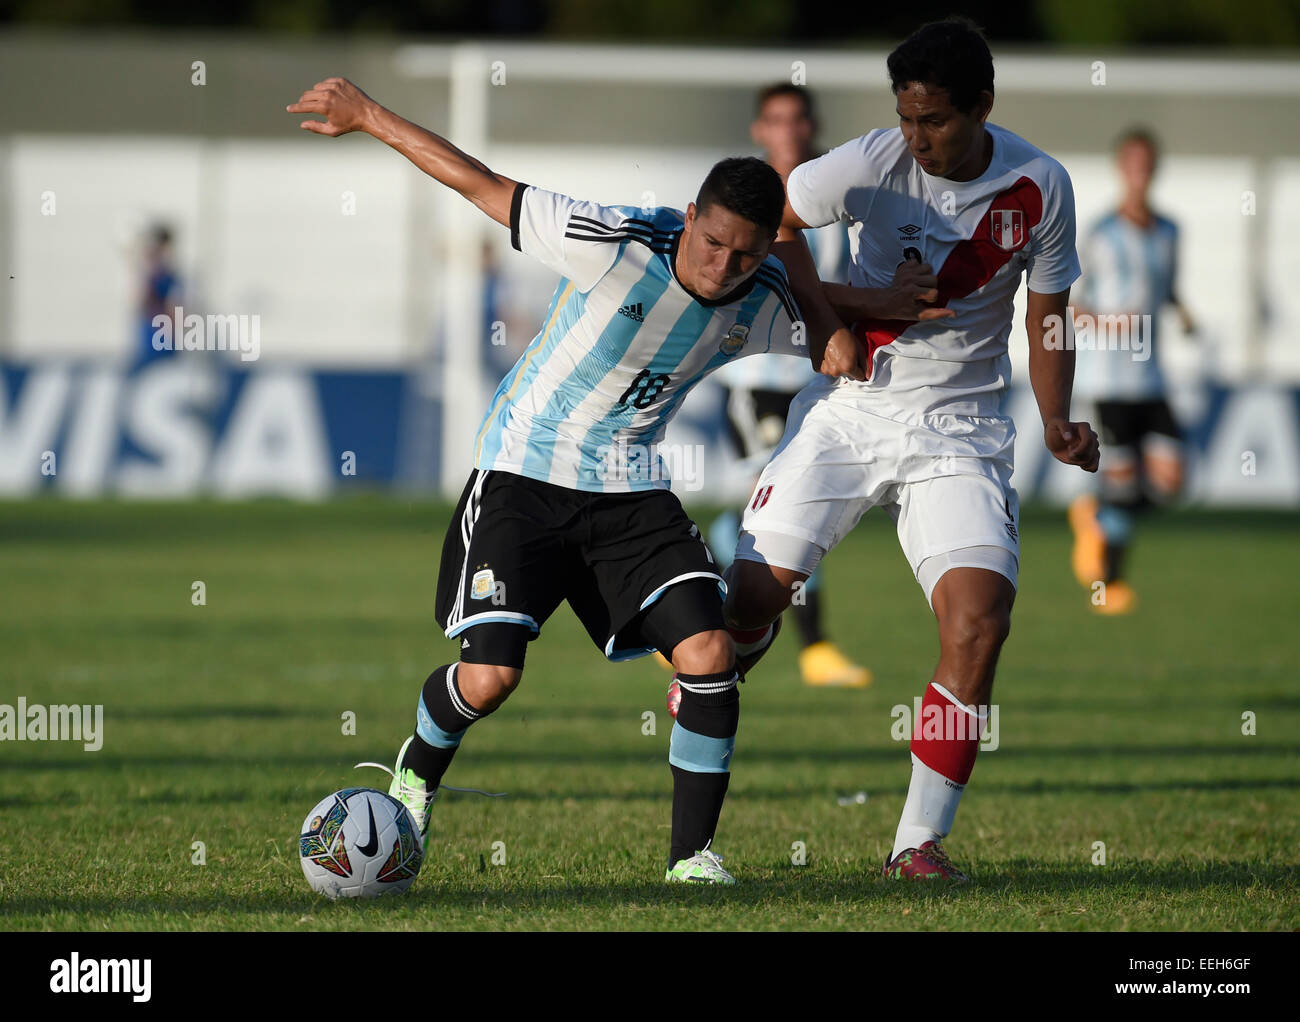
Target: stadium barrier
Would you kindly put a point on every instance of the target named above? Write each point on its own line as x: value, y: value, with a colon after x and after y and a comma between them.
x: 181, y: 427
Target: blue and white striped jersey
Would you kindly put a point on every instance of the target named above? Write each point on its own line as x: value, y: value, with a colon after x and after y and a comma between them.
x: 1127, y: 270
x: 588, y: 402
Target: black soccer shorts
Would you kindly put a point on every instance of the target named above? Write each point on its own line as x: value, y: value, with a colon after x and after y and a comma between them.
x: 517, y: 547
x: 1127, y: 423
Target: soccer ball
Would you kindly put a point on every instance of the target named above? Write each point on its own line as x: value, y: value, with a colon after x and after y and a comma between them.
x: 359, y: 843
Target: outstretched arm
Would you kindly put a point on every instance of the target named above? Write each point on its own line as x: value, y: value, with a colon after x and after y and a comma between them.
x: 346, y: 108
x: 1051, y: 374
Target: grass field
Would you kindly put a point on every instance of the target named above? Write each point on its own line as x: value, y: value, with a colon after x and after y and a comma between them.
x: 222, y: 724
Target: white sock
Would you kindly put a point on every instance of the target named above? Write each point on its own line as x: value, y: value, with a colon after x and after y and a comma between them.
x: 929, y: 810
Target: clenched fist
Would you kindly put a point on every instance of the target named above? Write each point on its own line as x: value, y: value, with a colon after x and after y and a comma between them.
x: 1073, y: 443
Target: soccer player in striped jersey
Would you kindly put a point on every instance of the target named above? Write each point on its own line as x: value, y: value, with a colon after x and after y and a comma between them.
x: 1130, y: 260
x: 909, y: 415
x: 569, y: 498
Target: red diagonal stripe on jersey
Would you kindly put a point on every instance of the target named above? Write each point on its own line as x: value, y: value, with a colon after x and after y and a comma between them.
x: 970, y: 265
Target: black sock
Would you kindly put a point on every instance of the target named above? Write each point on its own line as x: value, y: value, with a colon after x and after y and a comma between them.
x: 697, y: 804
x: 428, y: 761
x: 698, y: 795
x: 1115, y: 560
x: 444, y: 716
x: 808, y: 616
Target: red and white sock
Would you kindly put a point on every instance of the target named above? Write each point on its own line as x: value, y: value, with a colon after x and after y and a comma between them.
x: 945, y: 741
x: 751, y: 640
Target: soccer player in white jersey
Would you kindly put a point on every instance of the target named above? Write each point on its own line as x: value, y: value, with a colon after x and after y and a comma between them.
x: 1130, y: 268
x: 760, y: 390
x: 569, y: 498
x: 910, y: 414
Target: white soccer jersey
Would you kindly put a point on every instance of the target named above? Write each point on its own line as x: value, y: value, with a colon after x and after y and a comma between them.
x: 980, y: 235
x: 588, y: 402
x: 1129, y: 271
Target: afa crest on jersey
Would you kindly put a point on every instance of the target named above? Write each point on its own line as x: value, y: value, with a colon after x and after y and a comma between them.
x: 735, y: 339
x: 483, y: 585
x: 1007, y: 228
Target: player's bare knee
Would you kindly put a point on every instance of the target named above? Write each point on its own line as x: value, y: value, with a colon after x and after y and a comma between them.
x: 487, y: 686
x: 1165, y: 476
x: 975, y: 633
x: 710, y: 652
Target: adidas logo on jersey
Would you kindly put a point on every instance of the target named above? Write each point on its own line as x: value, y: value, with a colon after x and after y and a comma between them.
x: 633, y: 312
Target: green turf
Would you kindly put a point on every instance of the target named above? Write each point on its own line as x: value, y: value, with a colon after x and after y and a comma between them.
x: 223, y: 725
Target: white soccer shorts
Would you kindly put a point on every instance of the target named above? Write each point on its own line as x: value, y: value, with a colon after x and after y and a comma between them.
x: 944, y: 479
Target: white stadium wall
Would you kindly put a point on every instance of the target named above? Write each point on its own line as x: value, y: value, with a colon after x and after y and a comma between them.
x: 355, y: 263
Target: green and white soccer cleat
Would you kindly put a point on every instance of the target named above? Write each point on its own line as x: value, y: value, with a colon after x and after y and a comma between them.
x: 704, y: 867
x: 410, y: 790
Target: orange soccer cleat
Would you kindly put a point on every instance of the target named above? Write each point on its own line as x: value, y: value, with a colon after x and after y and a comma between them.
x: 1089, y: 557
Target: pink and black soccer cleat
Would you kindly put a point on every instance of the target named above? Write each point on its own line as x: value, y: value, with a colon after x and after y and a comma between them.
x: 929, y: 862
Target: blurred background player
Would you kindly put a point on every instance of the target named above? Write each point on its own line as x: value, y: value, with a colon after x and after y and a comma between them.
x: 759, y: 390
x: 160, y: 293
x: 1130, y: 259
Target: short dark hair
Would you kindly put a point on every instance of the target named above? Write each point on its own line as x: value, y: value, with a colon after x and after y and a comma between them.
x: 799, y: 92
x: 951, y: 54
x: 1138, y: 134
x: 748, y: 187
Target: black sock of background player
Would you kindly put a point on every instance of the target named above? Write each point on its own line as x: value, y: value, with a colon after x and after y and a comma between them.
x: 443, y: 716
x: 698, y: 796
x: 808, y: 617
x: 1115, y: 560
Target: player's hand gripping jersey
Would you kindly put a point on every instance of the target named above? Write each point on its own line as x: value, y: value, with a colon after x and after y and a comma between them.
x: 622, y: 344
x: 979, y: 235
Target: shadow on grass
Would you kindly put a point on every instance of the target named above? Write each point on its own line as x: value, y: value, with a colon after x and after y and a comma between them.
x: 808, y: 712
x: 208, y: 714
x: 772, y: 888
x: 749, y: 757
x: 740, y: 792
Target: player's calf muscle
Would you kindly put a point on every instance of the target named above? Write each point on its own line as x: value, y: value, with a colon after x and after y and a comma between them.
x: 973, y: 608
x: 969, y: 645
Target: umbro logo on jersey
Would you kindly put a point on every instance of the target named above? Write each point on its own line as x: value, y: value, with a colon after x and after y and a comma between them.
x: 633, y: 312
x: 909, y: 230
